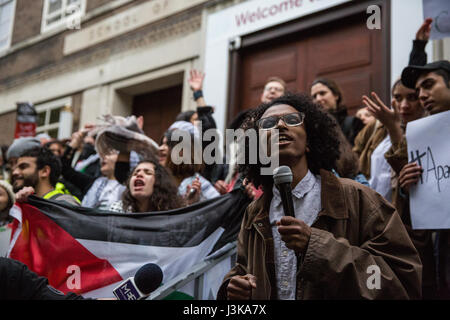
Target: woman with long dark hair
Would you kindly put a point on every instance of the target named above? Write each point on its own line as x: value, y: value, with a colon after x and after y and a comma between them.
x: 149, y: 188
x: 328, y: 95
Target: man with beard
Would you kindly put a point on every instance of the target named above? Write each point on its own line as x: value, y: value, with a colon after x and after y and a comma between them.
x: 36, y: 172
x: 432, y: 83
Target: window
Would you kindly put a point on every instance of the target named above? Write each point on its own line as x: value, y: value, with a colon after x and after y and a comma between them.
x: 7, y: 8
x: 48, y: 120
x: 60, y: 12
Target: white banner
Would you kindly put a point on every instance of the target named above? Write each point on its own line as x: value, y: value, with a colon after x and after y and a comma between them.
x: 429, y: 145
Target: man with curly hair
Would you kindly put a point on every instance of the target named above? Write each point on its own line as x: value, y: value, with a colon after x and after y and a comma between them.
x: 345, y: 242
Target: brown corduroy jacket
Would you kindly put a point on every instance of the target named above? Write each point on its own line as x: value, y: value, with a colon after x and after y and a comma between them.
x: 355, y: 229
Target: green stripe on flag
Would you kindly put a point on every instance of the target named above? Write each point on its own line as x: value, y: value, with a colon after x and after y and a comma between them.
x: 178, y: 295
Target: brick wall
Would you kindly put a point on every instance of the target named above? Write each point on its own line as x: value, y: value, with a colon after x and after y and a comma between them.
x: 8, y: 121
x: 41, y: 59
x: 28, y: 18
x: 27, y: 21
x: 93, y: 4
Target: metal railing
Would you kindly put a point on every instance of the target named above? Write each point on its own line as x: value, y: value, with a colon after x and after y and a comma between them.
x: 196, y: 273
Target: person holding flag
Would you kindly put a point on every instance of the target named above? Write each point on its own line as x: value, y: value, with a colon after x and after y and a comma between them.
x: 17, y: 282
x: 37, y: 171
x: 149, y: 188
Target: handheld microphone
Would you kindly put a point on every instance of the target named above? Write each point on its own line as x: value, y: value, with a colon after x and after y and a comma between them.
x: 192, y: 191
x: 282, y: 177
x: 146, y: 280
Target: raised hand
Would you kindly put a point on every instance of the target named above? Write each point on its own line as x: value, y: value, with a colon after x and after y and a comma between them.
x: 77, y: 139
x: 196, y: 80
x: 221, y: 186
x: 424, y: 31
x: 194, y: 196
x: 387, y: 116
x: 23, y: 194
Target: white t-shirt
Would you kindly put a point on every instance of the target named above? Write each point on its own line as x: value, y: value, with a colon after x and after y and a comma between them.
x: 103, y: 193
x: 380, y: 170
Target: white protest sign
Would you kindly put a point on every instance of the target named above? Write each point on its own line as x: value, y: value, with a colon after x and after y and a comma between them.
x: 439, y: 11
x: 429, y: 145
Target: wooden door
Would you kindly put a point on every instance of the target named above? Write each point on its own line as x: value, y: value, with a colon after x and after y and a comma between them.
x: 159, y: 108
x: 344, y: 50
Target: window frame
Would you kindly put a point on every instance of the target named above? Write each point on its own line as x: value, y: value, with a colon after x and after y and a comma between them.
x: 47, y: 108
x: 56, y: 25
x: 11, y: 30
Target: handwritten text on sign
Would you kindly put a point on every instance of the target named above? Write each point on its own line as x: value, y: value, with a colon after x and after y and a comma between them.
x: 432, y: 170
x: 429, y: 146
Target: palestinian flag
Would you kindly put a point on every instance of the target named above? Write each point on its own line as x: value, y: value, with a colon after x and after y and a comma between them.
x: 89, y: 252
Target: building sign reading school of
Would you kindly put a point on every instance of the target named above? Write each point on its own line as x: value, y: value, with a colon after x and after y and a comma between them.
x: 124, y: 22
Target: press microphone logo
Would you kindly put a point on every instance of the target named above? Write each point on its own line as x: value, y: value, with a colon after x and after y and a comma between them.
x: 146, y: 280
x: 127, y: 291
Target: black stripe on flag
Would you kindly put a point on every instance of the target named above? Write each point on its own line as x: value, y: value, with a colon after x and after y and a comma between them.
x: 184, y: 227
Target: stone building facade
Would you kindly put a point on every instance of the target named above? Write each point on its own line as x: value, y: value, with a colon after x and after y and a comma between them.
x: 123, y: 57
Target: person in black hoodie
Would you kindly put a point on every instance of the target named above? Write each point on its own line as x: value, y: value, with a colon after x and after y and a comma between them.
x: 204, y: 115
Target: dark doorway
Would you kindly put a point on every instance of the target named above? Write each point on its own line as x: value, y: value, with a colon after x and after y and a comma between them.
x: 159, y: 108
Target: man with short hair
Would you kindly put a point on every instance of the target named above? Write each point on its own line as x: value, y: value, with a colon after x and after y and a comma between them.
x: 18, y: 147
x: 37, y: 171
x: 432, y: 82
x: 275, y: 87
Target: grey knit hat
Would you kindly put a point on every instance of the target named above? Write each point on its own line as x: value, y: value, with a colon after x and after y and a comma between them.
x: 21, y: 145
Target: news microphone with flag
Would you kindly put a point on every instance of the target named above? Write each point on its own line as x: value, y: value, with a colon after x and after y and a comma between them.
x: 282, y: 177
x: 147, y: 279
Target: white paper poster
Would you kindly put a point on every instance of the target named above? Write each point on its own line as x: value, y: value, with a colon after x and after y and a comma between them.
x: 429, y: 144
x: 439, y: 11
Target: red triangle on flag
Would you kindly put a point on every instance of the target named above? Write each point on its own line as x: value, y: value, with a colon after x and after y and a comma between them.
x: 51, y: 252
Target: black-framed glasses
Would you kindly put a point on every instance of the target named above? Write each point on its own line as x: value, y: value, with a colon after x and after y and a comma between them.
x: 291, y: 120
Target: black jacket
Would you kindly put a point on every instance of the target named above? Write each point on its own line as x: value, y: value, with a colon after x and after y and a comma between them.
x: 350, y: 125
x: 17, y: 282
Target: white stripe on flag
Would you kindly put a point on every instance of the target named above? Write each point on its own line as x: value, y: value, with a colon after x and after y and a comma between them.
x: 16, y: 213
x: 128, y: 258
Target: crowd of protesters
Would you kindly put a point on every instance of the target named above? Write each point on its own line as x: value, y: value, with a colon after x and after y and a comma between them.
x: 350, y: 189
